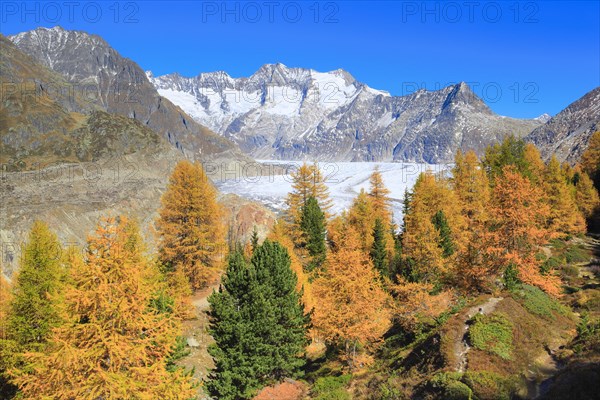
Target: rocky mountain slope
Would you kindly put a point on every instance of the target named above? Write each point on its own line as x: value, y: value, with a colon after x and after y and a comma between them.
x: 106, y: 80
x: 295, y: 113
x: 67, y: 162
x: 568, y: 133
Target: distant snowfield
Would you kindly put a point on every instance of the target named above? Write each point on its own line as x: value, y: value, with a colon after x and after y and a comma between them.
x: 344, y: 179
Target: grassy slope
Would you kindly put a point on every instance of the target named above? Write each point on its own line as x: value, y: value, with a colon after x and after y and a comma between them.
x: 544, y: 342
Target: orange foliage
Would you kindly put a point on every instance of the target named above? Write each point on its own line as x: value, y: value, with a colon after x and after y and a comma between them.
x: 379, y: 196
x: 519, y: 216
x: 351, y: 306
x: 5, y: 296
x: 421, y: 239
x: 413, y: 302
x: 112, y: 346
x: 192, y: 233
x: 564, y: 217
x: 308, y: 181
x: 288, y: 390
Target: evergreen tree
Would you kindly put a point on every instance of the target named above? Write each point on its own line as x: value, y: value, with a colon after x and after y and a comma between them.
x: 445, y: 234
x: 312, y: 224
x: 258, y: 323
x: 117, y: 336
x: 396, y: 263
x: 254, y: 239
x: 378, y: 250
x: 192, y: 233
x: 278, y: 234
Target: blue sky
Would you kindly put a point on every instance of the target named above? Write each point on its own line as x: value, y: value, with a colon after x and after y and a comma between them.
x: 523, y: 58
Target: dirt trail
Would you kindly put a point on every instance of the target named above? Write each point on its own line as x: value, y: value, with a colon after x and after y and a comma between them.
x: 461, y: 346
x: 198, y: 339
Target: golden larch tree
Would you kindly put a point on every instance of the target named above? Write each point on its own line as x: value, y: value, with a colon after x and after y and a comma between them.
x: 586, y: 194
x: 5, y: 297
x: 351, y: 307
x: 379, y: 196
x: 190, y: 224
x: 307, y: 181
x: 421, y: 241
x: 565, y: 218
x: 519, y: 214
x: 535, y: 164
x: 113, y: 344
x: 590, y: 159
x: 471, y: 185
x: 361, y: 217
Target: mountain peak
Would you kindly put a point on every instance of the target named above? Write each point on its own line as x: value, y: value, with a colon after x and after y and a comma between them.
x: 543, y: 118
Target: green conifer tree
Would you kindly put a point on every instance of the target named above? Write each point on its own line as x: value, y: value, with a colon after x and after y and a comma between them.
x: 378, y: 250
x: 312, y: 225
x: 258, y: 323
x: 445, y: 234
x: 254, y: 239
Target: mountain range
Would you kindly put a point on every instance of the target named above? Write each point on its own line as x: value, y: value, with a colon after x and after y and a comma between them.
x: 296, y: 113
x: 84, y: 131
x: 292, y: 113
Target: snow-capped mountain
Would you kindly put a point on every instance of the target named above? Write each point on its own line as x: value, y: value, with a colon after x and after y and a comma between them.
x: 296, y: 113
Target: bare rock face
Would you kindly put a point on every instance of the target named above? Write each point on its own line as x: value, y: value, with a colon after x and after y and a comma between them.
x: 106, y: 80
x: 295, y: 113
x: 243, y: 216
x: 568, y: 133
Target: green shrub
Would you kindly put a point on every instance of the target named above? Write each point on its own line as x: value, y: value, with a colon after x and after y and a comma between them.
x: 331, y: 388
x: 387, y: 390
x: 570, y: 271
x: 550, y: 264
x: 492, y: 333
x: 576, y: 254
x: 488, y: 385
x: 558, y: 244
x: 450, y: 387
x: 588, y: 335
x: 456, y: 390
x: 539, y: 303
x: 511, y: 277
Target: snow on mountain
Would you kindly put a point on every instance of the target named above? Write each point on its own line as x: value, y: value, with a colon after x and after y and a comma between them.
x: 295, y: 113
x: 344, y: 180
